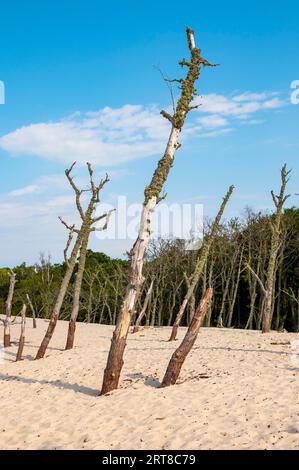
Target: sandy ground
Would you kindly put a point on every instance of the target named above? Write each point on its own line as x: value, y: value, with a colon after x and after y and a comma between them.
x: 237, y: 390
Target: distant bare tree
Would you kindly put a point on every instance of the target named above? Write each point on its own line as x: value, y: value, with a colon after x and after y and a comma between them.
x: 144, y: 308
x: 87, y: 227
x: 200, y: 264
x: 269, y: 287
x: 71, y: 261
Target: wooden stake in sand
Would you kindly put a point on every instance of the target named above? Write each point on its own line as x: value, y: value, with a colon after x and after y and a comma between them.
x: 8, y: 308
x: 180, y: 354
x: 22, y: 335
x: 32, y: 310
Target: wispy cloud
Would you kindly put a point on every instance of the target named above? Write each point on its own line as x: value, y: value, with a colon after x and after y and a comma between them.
x: 107, y: 137
x: 31, y: 188
x: 111, y: 137
x: 238, y: 106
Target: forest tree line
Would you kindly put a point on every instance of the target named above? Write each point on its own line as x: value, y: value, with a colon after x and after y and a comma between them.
x: 237, y: 300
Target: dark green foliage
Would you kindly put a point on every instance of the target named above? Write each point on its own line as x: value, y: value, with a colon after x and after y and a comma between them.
x: 105, y: 278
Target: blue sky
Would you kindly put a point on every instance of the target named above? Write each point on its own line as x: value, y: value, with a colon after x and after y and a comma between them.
x: 81, y: 84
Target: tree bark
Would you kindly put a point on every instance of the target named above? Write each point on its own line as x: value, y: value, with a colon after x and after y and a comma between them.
x: 78, y: 284
x: 151, y: 198
x: 22, y: 336
x: 62, y: 291
x: 82, y: 240
x: 268, y: 289
x: 8, y: 308
x: 32, y: 310
x: 179, y: 356
x: 279, y: 202
x: 200, y: 264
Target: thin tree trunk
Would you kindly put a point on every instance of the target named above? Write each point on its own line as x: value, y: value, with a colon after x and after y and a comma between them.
x: 22, y: 336
x: 200, y: 264
x: 179, y: 356
x: 82, y: 237
x: 235, y: 291
x: 61, y: 295
x: 275, y: 245
x: 32, y: 310
x: 78, y: 284
x: 268, y: 289
x: 152, y: 197
x: 8, y: 308
x: 144, y: 308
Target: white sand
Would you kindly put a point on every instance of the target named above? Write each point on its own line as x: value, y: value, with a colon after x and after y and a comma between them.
x: 250, y: 399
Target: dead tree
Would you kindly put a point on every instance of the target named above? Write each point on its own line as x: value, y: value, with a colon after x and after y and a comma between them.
x: 70, y: 263
x: 32, y: 311
x: 8, y: 308
x: 87, y: 228
x: 192, y: 300
x: 22, y: 335
x: 200, y: 264
x: 152, y: 196
x: 180, y: 354
x: 144, y: 308
x: 268, y: 288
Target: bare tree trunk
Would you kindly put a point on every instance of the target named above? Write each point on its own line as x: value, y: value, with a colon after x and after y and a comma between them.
x: 144, y: 308
x: 57, y: 308
x: 77, y: 291
x: 269, y: 287
x: 8, y: 308
x: 152, y: 197
x: 22, y: 336
x: 200, y: 264
x: 192, y: 307
x: 235, y: 291
x: 85, y: 229
x: 32, y: 310
x: 179, y: 356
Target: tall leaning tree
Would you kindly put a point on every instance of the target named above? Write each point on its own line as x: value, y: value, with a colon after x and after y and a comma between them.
x: 268, y: 288
x: 200, y: 264
x: 81, y: 238
x: 152, y: 196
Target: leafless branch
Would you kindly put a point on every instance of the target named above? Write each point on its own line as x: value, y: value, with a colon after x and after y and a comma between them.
x: 256, y: 277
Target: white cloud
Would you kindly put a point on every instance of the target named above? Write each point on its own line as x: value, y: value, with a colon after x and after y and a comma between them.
x: 239, y: 106
x: 111, y: 137
x: 217, y: 132
x: 31, y: 188
x: 107, y: 137
x: 248, y: 96
x: 213, y: 121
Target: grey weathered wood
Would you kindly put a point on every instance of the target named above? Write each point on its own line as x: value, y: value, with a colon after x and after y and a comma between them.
x: 22, y: 335
x: 152, y: 196
x: 179, y: 356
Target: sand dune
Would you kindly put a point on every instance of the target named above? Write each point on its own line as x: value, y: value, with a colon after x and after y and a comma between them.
x: 237, y: 390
